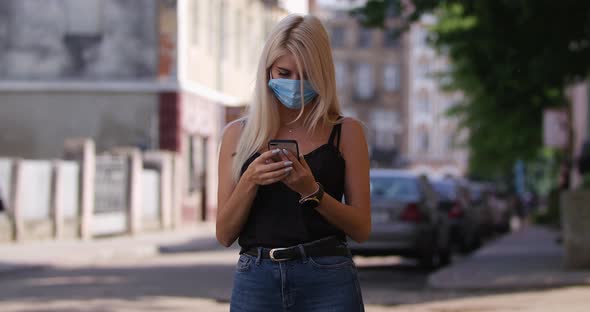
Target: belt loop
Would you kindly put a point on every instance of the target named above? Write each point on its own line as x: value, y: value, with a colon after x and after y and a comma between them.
x: 302, y: 251
x: 259, y: 256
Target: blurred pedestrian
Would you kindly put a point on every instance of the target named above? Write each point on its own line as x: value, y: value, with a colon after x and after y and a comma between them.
x: 285, y: 209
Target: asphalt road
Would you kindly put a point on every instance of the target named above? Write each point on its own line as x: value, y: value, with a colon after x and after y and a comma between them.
x: 181, y: 279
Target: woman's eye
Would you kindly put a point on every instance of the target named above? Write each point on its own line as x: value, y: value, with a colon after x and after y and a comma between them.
x: 283, y: 74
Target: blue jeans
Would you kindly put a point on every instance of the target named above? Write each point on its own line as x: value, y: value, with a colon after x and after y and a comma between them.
x: 308, y: 285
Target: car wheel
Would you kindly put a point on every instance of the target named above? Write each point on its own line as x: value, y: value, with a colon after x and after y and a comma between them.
x: 445, y: 253
x: 445, y: 257
x: 429, y: 257
x: 427, y: 261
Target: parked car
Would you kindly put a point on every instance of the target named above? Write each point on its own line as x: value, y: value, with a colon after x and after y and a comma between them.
x: 406, y: 220
x: 455, y: 202
x: 502, y: 210
x: 479, y: 195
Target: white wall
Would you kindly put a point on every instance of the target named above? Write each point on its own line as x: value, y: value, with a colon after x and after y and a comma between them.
x: 150, y: 180
x: 5, y: 180
x: 35, y: 124
x: 70, y: 186
x: 36, y: 182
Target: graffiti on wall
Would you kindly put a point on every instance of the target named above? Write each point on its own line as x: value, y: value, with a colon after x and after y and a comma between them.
x: 73, y: 39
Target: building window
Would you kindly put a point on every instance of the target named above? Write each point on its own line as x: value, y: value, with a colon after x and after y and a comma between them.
x: 365, y: 87
x: 421, y: 37
x: 196, y: 20
x: 222, y: 32
x: 389, y: 40
x: 423, y: 103
x: 391, y: 77
x: 447, y: 143
x: 341, y: 74
x: 365, y: 36
x: 338, y: 36
x: 211, y: 26
x: 238, y: 36
x: 386, y: 125
x: 423, y: 142
x: 249, y: 40
x: 423, y: 69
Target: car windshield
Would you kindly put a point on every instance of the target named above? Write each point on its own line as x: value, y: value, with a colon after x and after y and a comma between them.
x: 446, y: 190
x: 398, y: 188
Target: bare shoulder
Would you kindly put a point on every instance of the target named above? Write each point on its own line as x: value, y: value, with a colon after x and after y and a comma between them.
x: 230, y: 137
x: 353, y: 127
x: 352, y: 138
x: 232, y: 131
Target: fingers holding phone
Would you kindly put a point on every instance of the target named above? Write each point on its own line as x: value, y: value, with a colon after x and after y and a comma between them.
x: 263, y: 170
x: 301, y: 179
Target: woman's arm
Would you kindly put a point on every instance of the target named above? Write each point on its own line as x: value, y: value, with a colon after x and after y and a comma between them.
x: 354, y: 217
x: 235, y: 199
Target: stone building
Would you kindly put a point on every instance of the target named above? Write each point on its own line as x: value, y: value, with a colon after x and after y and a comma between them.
x: 370, y: 76
x: 82, y: 68
x: 433, y: 137
x: 220, y: 43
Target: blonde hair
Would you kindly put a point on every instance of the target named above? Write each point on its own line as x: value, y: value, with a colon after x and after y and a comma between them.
x: 307, y: 40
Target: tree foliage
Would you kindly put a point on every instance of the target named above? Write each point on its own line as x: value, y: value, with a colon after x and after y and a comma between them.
x: 511, y: 59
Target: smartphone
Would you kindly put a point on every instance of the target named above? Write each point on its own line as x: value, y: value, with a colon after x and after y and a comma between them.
x: 290, y: 145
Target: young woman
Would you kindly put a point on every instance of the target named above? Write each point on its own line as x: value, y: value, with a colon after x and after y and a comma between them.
x: 286, y: 210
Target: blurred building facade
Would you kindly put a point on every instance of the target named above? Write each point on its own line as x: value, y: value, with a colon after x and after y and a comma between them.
x: 83, y: 68
x: 220, y: 44
x: 371, y: 78
x: 434, y: 138
x: 99, y: 69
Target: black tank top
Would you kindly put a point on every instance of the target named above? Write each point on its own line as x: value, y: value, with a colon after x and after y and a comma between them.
x: 276, y: 218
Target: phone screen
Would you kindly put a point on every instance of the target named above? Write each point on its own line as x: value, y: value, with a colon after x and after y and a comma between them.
x: 290, y: 145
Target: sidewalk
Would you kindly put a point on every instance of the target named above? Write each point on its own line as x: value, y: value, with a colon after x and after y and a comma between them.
x: 41, y: 254
x: 527, y: 259
x: 571, y: 299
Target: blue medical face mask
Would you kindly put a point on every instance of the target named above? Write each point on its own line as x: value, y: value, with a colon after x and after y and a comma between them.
x: 288, y: 91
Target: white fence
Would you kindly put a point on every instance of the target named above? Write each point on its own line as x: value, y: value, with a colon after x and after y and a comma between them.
x: 35, y: 190
x: 111, y: 195
x: 70, y: 184
x: 53, y: 199
x: 5, y: 178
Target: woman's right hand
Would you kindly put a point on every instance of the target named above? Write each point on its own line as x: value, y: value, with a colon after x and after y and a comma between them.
x: 265, y: 170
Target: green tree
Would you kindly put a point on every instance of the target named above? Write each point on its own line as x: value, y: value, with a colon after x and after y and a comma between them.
x: 511, y: 59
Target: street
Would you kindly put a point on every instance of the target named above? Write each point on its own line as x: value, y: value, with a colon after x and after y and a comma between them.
x: 178, y: 280
x: 189, y: 271
x: 185, y: 281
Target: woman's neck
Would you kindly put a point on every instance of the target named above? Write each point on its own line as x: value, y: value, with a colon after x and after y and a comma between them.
x: 288, y: 115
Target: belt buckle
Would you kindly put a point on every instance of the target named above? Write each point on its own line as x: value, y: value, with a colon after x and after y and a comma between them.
x: 271, y: 253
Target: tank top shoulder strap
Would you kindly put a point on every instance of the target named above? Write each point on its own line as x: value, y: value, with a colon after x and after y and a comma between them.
x: 335, y: 134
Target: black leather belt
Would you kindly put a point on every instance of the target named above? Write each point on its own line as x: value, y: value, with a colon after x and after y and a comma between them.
x: 329, y: 246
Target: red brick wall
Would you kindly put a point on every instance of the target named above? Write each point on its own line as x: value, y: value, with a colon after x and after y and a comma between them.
x: 170, y: 121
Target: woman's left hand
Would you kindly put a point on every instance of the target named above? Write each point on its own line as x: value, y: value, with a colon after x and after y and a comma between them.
x: 300, y: 179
